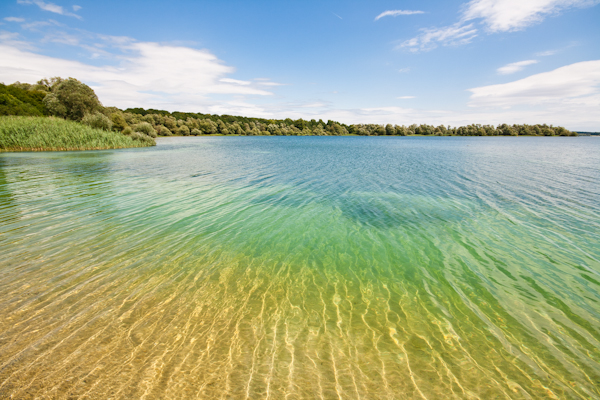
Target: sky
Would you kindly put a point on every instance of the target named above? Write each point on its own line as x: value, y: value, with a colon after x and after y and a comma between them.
x: 400, y: 62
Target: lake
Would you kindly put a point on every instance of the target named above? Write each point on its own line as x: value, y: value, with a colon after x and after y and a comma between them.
x: 302, y: 268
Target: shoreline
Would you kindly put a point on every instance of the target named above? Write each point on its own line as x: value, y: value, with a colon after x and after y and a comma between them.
x: 374, y: 136
x: 59, y: 149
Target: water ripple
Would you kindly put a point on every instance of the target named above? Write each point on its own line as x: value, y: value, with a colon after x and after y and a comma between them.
x: 303, y: 268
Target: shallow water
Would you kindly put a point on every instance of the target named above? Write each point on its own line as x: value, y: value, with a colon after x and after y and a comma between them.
x: 284, y: 267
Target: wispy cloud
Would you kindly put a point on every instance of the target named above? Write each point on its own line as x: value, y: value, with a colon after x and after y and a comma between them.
x: 404, y: 70
x: 515, y: 67
x: 76, y: 8
x: 267, y: 82
x: 37, y: 25
x: 449, y: 35
x: 513, y: 15
x: 14, y: 39
x: 62, y: 38
x: 337, y: 16
x: 51, y: 7
x: 14, y: 19
x: 395, y: 13
x: 405, y: 97
x: 235, y: 81
x: 552, y: 52
x: 546, y: 53
x: 496, y: 15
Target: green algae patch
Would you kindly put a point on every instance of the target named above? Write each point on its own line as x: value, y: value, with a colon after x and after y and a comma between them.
x: 55, y: 134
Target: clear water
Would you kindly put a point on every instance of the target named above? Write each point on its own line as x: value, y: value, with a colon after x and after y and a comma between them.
x: 282, y: 267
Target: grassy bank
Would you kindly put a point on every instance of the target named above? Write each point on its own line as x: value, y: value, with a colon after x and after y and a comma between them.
x: 55, y: 134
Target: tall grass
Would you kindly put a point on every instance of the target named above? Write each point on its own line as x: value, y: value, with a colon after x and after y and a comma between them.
x: 55, y: 134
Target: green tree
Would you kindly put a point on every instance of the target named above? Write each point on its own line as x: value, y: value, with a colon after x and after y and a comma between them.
x: 17, y: 99
x: 71, y: 99
x: 235, y: 129
x: 191, y: 123
x: 118, y: 121
x: 146, y: 129
x: 97, y: 120
x: 47, y: 84
x: 207, y: 126
x: 162, y: 130
x: 506, y: 130
x: 170, y: 123
x: 10, y: 105
x: 389, y: 129
x: 222, y: 128
x: 401, y: 130
x: 300, y: 124
x: 183, y: 130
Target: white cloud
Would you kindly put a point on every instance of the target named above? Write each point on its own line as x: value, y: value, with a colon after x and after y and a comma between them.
x: 497, y: 15
x: 395, y: 13
x: 38, y: 25
x: 267, y: 82
x: 35, y: 25
x: 513, y: 15
x: 573, y: 84
x: 50, y: 7
x: 405, y: 97
x: 404, y: 70
x: 270, y: 83
x: 235, y: 81
x: 450, y: 35
x: 149, y: 75
x: 62, y: 38
x: 9, y: 37
x: 14, y: 39
x: 76, y: 8
x: 515, y: 67
x: 14, y: 19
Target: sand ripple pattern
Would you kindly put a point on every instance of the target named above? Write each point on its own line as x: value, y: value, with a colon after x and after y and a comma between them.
x: 303, y: 268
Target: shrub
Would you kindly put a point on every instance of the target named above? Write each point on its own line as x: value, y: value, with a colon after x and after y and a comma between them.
x: 163, y: 130
x: 118, y: 121
x: 139, y: 136
x: 98, y: 121
x: 127, y: 131
x: 15, y: 99
x: 145, y: 128
x: 196, y: 132
x: 183, y: 130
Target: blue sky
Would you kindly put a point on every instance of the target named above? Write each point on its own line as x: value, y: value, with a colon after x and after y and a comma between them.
x: 402, y: 62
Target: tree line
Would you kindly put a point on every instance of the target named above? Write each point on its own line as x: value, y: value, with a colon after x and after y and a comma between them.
x: 73, y: 100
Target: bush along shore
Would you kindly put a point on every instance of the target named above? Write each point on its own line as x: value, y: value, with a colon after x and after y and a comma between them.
x: 61, y: 114
x: 72, y: 100
x: 165, y: 123
x: 56, y: 134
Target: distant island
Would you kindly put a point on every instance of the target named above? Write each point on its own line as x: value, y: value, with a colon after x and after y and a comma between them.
x: 65, y: 114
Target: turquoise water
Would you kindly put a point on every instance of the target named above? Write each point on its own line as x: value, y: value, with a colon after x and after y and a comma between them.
x: 303, y: 267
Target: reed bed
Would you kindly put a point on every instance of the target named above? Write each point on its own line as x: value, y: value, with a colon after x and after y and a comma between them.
x: 55, y: 134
